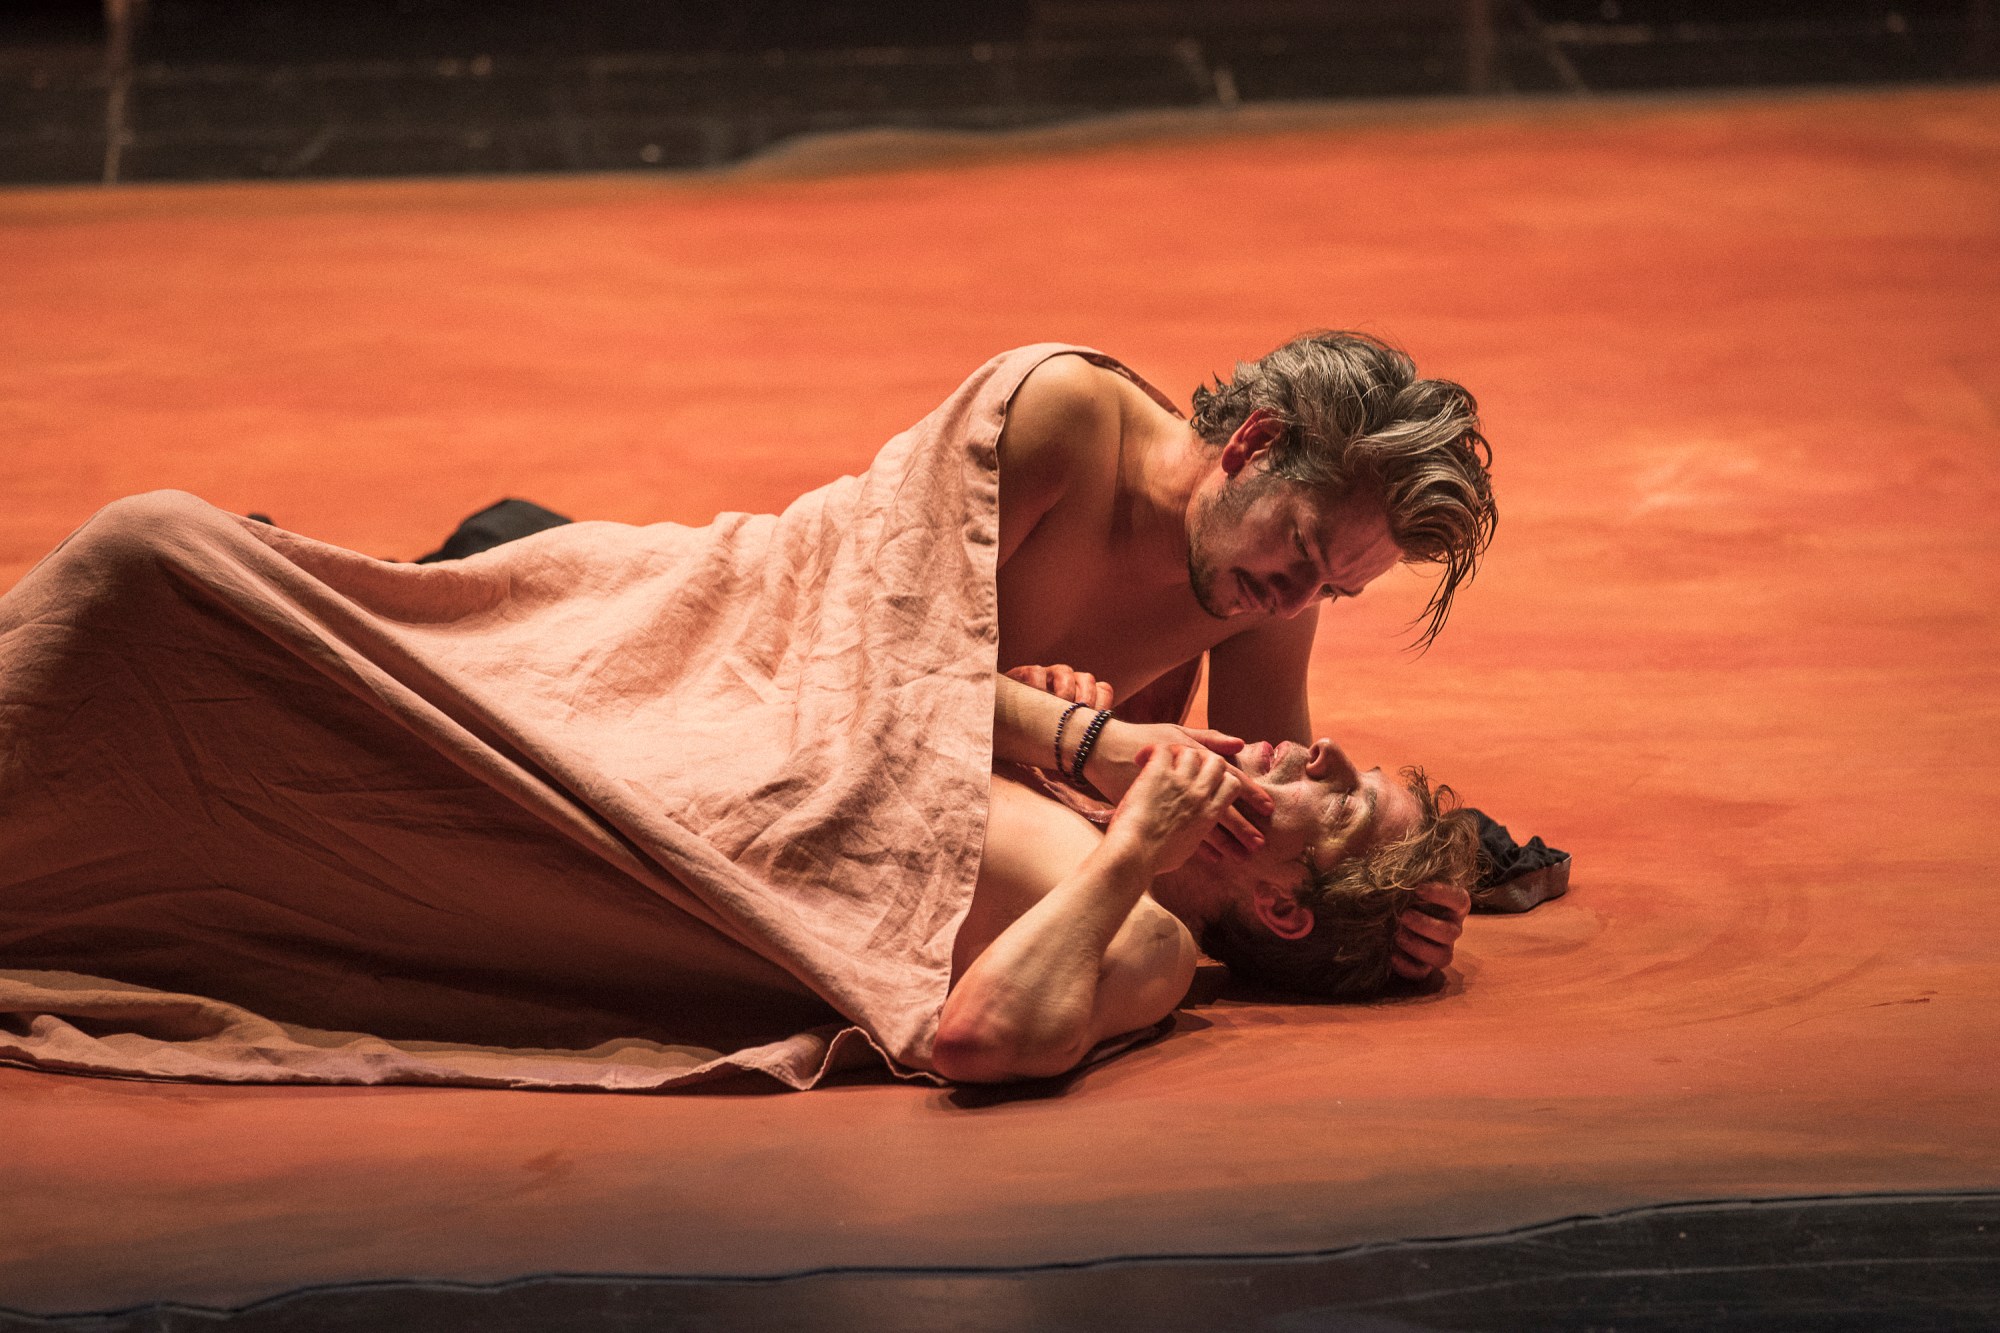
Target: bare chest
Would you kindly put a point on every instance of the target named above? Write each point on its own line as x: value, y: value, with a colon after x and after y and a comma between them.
x: 1074, y: 593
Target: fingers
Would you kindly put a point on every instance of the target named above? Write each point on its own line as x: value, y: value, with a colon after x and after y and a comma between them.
x: 1420, y: 959
x: 1257, y: 801
x: 1066, y: 683
x: 1219, y: 788
x: 1077, y: 687
x: 1409, y: 968
x: 1230, y: 835
x: 1238, y: 836
x: 1426, y: 926
x: 1214, y: 773
x: 1423, y: 943
x: 1032, y: 676
x: 1448, y: 896
x: 1254, y: 799
x: 1422, y: 955
x: 1086, y: 689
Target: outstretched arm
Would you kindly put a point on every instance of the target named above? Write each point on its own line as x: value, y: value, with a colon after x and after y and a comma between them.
x: 1090, y: 960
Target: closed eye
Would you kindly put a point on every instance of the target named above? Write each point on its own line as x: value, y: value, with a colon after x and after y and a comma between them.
x: 1305, y: 558
x: 1336, y: 831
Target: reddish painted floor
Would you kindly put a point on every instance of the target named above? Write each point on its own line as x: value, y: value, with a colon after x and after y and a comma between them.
x: 1735, y: 648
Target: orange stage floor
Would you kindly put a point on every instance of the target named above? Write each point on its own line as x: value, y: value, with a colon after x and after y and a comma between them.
x: 1735, y: 648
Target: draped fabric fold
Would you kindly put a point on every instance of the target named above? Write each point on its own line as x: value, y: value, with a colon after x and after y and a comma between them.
x: 608, y: 806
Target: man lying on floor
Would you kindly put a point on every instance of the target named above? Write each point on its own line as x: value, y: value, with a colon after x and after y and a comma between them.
x: 615, y: 807
x: 1076, y: 935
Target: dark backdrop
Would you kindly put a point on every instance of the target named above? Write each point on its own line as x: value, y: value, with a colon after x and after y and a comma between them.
x: 195, y: 89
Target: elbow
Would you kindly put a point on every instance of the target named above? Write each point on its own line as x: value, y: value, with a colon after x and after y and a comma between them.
x: 970, y: 1052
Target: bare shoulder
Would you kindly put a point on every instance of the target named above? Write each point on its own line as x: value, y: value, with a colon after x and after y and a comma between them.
x: 1063, y: 423
x: 1064, y: 398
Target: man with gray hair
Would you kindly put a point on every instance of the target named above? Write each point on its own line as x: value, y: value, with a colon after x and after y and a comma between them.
x: 1135, y: 544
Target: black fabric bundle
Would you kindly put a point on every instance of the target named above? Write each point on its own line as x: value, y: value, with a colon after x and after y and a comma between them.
x: 509, y: 520
x: 1513, y: 877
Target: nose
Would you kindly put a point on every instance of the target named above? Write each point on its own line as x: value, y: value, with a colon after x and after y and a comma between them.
x: 1329, y: 763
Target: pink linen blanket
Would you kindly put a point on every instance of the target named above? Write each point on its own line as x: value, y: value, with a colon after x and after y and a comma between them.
x: 611, y: 806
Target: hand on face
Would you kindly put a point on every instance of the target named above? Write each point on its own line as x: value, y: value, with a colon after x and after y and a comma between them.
x: 1113, y: 765
x: 1320, y: 802
x: 1114, y: 768
x: 1328, y: 810
x: 1172, y: 809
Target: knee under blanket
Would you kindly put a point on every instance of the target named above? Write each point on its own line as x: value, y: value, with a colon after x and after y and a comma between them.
x: 610, y: 806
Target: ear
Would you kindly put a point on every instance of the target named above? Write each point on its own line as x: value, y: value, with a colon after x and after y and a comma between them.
x: 1251, y: 441
x: 1279, y: 912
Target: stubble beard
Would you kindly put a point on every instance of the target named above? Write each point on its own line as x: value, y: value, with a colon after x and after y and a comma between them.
x: 1201, y: 581
x: 1217, y: 511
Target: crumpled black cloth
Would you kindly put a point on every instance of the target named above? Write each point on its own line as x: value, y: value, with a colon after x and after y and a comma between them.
x: 1513, y: 877
x: 495, y: 525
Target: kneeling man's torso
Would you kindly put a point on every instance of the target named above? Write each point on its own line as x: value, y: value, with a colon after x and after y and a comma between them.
x: 1083, y: 585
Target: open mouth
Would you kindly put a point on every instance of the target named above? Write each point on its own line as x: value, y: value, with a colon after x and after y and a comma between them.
x: 1256, y: 758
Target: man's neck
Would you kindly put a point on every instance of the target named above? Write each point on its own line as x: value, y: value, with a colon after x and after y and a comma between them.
x: 1192, y: 895
x: 1161, y: 464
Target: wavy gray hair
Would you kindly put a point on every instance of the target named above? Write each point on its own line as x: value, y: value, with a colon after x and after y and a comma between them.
x: 1355, y: 414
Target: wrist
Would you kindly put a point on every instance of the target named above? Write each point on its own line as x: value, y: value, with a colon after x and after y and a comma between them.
x: 1087, y: 742
x: 1113, y: 750
x: 1126, y: 848
x: 1063, y: 731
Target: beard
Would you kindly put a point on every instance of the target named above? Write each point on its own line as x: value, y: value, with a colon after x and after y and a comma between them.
x: 1201, y: 581
x: 1217, y: 513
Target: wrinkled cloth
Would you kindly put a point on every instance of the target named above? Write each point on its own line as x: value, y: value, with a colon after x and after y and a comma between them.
x: 606, y: 806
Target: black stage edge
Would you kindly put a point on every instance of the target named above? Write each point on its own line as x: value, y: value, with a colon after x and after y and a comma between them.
x: 1873, y: 1263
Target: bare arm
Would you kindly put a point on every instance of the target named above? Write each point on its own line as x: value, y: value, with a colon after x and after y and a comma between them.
x: 1090, y: 959
x: 1028, y: 708
x: 1062, y: 419
x: 1025, y: 717
x: 1257, y: 681
x: 1064, y: 415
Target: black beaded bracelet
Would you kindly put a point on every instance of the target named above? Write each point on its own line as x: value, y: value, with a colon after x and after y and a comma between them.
x: 1084, y: 746
x: 1061, y: 727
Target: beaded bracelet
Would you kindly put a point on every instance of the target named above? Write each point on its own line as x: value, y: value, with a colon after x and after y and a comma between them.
x: 1089, y: 741
x: 1061, y: 727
